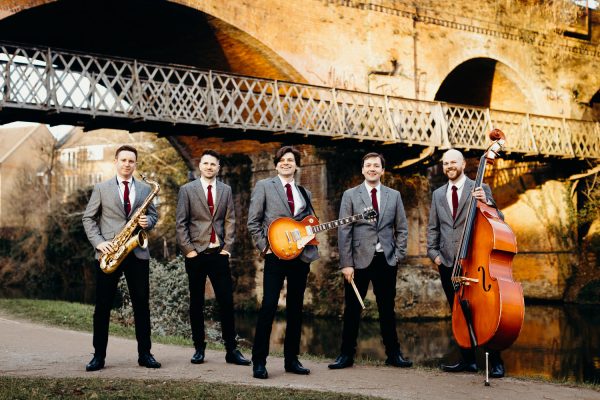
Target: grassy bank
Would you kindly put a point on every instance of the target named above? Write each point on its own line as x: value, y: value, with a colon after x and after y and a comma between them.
x: 93, y: 388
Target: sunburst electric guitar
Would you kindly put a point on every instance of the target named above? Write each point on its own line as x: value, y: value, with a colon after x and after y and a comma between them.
x: 287, y: 237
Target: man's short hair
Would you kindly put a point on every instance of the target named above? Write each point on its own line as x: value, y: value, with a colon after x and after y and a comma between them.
x: 284, y: 150
x: 213, y: 153
x: 371, y: 155
x: 126, y: 147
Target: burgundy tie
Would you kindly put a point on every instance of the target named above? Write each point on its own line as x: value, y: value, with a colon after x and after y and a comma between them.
x: 126, y: 202
x: 288, y: 190
x: 454, y: 201
x: 374, y: 199
x: 211, y: 207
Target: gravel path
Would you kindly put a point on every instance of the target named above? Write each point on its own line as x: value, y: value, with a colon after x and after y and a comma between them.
x: 28, y: 349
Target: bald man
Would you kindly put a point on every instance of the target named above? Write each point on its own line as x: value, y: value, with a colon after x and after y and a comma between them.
x: 447, y: 218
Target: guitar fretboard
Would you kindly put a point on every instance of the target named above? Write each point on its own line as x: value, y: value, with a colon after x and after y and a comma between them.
x: 336, y: 223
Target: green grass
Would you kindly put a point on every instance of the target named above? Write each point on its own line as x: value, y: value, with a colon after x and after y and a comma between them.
x: 75, y: 316
x: 94, y: 388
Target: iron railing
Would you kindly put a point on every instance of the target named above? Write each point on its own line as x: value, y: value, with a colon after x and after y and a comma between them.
x: 67, y: 82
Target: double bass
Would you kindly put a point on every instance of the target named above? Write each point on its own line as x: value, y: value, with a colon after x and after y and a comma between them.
x: 488, y: 304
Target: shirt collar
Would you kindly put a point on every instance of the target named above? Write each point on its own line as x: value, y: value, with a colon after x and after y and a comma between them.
x: 369, y: 187
x: 284, y: 182
x: 459, y: 183
x: 205, y: 182
x: 121, y: 180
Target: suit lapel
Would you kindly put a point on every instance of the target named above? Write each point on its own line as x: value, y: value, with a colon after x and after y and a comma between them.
x: 383, y: 199
x: 466, y: 193
x: 117, y: 191
x: 199, y: 192
x: 140, y: 196
x: 444, y: 201
x: 366, y: 197
x: 282, y: 195
x: 220, y: 197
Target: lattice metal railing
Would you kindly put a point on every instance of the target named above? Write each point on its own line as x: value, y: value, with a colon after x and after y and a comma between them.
x: 71, y: 83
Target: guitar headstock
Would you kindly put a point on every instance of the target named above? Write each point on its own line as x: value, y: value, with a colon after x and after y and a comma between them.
x: 370, y: 214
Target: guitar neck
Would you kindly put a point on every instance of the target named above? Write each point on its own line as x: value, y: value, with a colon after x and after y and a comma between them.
x: 336, y: 223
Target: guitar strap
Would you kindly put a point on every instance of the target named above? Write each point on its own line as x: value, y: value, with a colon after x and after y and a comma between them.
x: 307, y: 200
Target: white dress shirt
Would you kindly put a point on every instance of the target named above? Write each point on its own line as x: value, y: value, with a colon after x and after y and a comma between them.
x: 298, y: 200
x: 122, y: 190
x: 378, y: 247
x: 460, y: 184
x: 213, y: 189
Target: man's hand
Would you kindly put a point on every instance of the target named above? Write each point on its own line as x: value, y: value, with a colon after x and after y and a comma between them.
x: 479, y: 194
x: 438, y: 261
x: 143, y: 221
x: 106, y: 247
x: 348, y: 273
x: 191, y: 254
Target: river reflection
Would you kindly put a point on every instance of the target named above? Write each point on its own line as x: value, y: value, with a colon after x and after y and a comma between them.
x: 558, y: 342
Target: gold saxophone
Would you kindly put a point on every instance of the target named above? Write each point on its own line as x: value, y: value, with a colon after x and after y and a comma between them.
x: 128, y: 239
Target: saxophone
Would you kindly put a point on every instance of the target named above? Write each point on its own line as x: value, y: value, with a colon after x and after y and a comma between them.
x: 128, y: 239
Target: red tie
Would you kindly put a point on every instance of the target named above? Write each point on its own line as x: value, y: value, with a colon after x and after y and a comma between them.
x: 126, y: 202
x: 211, y: 207
x: 374, y: 199
x: 288, y: 190
x: 454, y: 201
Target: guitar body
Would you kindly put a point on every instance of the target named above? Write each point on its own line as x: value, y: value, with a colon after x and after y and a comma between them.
x: 287, y: 237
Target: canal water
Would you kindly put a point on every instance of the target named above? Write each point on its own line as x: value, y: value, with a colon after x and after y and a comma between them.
x: 556, y: 342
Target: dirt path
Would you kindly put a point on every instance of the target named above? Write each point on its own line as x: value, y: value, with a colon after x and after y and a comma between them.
x: 28, y: 349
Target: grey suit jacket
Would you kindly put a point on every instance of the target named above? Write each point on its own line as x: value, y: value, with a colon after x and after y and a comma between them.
x: 443, y: 232
x: 357, y: 241
x: 267, y: 203
x: 194, y: 221
x: 104, y: 216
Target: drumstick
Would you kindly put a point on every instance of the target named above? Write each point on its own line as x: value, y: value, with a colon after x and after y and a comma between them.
x: 357, y: 294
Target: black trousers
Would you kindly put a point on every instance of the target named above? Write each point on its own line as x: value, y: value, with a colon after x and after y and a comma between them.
x: 216, y: 268
x: 276, y: 271
x: 383, y: 277
x: 137, y: 274
x: 468, y: 355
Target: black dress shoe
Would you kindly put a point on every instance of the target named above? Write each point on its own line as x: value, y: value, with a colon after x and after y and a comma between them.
x: 398, y: 361
x: 259, y: 371
x: 343, y: 361
x: 460, y: 367
x: 148, y: 361
x: 198, y: 357
x: 497, y: 371
x: 236, y: 357
x: 295, y: 367
x: 96, y: 364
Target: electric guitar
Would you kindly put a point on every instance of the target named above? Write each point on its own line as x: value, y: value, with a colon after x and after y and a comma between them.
x: 287, y: 237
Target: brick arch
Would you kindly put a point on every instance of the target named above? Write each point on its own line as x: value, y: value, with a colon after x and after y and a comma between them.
x: 241, y: 52
x: 486, y: 82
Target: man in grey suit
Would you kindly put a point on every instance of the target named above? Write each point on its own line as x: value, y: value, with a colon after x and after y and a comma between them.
x: 205, y: 226
x: 273, y: 198
x: 111, y: 205
x: 447, y: 217
x: 370, y: 252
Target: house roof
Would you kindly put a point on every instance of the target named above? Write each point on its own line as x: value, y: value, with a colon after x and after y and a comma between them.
x: 12, y: 138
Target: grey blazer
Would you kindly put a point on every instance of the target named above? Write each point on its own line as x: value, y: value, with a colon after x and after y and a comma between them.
x: 267, y: 203
x: 194, y: 221
x: 357, y: 241
x: 104, y: 216
x: 443, y: 232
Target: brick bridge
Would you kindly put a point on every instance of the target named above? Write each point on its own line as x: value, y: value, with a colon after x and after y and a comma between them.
x: 342, y: 74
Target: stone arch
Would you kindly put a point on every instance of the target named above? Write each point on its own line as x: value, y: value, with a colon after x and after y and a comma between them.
x: 594, y: 110
x: 485, y: 82
x: 147, y: 30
